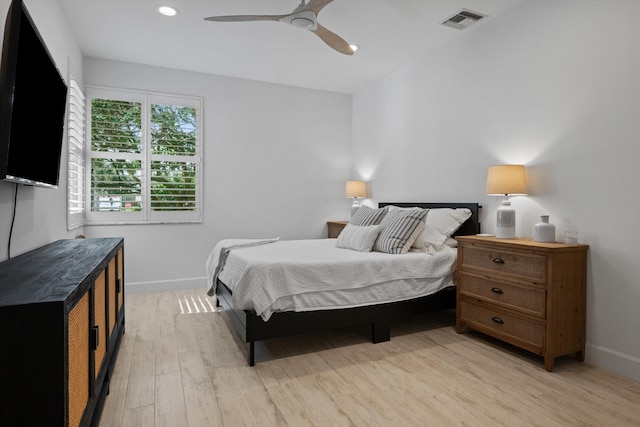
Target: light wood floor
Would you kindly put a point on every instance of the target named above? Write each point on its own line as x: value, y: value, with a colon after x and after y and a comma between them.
x: 179, y: 368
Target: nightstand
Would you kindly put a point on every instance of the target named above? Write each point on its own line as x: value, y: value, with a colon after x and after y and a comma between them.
x: 526, y: 293
x: 335, y: 227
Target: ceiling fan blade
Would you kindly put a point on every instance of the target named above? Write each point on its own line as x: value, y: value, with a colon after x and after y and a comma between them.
x: 240, y: 18
x: 333, y: 40
x: 316, y: 5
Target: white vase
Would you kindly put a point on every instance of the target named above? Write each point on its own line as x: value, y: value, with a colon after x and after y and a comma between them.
x: 544, y: 231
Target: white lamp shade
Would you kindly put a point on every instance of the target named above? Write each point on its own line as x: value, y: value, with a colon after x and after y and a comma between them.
x: 355, y: 189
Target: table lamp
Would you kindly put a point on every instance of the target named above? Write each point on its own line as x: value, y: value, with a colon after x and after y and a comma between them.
x: 506, y: 180
x: 355, y: 190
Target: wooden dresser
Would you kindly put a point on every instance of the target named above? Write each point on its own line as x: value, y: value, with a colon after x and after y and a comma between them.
x: 61, y: 321
x: 335, y: 227
x: 529, y: 294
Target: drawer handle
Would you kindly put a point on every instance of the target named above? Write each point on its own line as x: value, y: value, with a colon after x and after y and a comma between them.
x: 497, y: 320
x: 498, y: 261
x: 496, y: 290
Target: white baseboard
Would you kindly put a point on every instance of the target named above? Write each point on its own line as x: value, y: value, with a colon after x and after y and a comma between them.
x: 622, y: 364
x: 166, y: 285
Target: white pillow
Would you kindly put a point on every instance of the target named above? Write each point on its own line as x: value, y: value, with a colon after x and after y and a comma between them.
x: 358, y: 238
x: 430, y: 237
x: 441, y: 223
x: 447, y: 220
x: 451, y: 242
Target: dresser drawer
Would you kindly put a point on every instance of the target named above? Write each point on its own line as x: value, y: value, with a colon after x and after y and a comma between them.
x: 527, y: 266
x: 501, y: 324
x: 527, y: 299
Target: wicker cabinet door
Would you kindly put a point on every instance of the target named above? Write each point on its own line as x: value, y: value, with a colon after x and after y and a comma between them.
x: 99, y: 321
x: 120, y: 279
x: 78, y: 359
x: 113, y: 297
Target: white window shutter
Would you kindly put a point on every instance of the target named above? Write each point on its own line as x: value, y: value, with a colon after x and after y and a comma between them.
x: 145, y: 157
x: 76, y: 159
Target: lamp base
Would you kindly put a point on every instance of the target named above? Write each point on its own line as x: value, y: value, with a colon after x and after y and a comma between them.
x: 506, y: 221
x: 506, y: 232
x: 355, y: 206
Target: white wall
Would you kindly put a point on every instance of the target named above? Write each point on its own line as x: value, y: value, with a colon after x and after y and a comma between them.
x: 556, y: 88
x: 276, y: 159
x: 40, y: 216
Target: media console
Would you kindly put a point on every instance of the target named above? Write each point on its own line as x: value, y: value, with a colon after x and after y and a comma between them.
x: 61, y: 321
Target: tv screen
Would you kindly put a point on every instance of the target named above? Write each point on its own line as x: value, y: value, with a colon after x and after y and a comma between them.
x: 33, y: 99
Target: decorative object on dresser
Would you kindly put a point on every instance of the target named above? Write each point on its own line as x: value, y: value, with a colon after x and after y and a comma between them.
x: 544, y: 231
x: 334, y: 228
x: 61, y: 320
x: 355, y: 190
x: 526, y: 293
x: 506, y: 180
x: 571, y: 237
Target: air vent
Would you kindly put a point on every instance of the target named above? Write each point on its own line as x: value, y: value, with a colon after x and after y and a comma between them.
x: 464, y: 19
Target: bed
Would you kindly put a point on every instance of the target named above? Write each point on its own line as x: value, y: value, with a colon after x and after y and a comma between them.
x: 250, y: 282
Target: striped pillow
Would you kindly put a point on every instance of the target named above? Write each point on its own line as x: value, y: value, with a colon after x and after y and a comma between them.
x: 358, y: 238
x: 397, y: 230
x: 368, y: 216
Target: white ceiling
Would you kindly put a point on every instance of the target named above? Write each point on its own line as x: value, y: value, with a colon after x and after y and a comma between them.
x: 390, y: 34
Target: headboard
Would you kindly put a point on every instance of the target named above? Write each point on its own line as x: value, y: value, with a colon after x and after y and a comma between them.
x: 470, y: 226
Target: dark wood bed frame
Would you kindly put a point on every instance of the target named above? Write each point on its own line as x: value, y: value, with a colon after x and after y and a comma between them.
x: 252, y: 328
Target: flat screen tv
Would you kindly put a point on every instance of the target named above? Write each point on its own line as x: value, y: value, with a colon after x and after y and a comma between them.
x: 33, y: 97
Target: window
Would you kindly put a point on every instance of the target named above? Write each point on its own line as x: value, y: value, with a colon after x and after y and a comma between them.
x: 75, y: 170
x: 145, y: 152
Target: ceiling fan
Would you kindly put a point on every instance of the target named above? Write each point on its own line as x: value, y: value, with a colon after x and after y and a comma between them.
x: 304, y: 16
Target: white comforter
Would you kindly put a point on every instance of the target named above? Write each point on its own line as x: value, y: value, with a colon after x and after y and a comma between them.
x: 304, y: 275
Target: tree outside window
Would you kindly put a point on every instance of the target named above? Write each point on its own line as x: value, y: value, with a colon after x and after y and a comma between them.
x: 145, y: 157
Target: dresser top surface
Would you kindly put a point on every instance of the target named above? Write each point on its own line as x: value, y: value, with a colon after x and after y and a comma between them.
x: 51, y: 273
x: 521, y: 243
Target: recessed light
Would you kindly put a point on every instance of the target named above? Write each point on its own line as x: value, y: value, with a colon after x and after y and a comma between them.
x: 167, y: 10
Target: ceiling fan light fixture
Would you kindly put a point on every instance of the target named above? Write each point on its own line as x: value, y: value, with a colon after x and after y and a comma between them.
x: 354, y: 47
x: 302, y: 22
x: 306, y: 20
x: 168, y: 10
